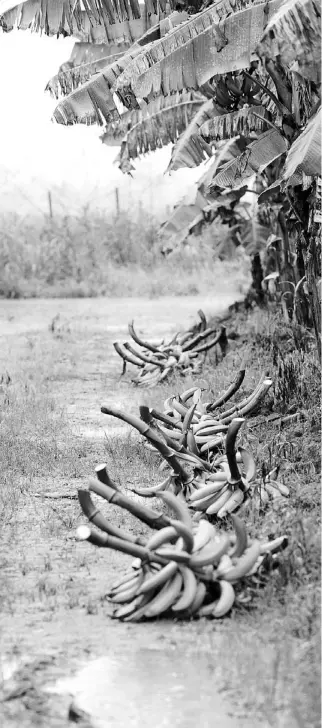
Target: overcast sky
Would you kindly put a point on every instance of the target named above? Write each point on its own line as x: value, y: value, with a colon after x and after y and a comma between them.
x: 37, y: 155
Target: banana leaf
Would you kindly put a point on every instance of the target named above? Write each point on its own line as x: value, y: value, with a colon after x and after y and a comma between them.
x: 159, y: 123
x: 93, y: 103
x: 191, y: 149
x: 304, y: 156
x: 294, y: 34
x: 213, y: 42
x: 86, y: 59
x: 258, y: 155
x: 243, y: 121
x: 92, y: 21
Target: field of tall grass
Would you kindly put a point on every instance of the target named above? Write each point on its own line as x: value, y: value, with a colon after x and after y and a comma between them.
x: 95, y: 254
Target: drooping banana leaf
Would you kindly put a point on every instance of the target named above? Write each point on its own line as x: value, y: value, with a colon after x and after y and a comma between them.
x: 191, y: 149
x: 93, y: 102
x: 294, y: 33
x: 258, y: 155
x: 243, y: 122
x: 304, y: 156
x: 211, y: 43
x: 86, y: 59
x: 150, y: 128
x: 92, y: 21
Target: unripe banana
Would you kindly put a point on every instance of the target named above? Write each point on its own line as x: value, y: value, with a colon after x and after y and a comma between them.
x: 244, y: 563
x: 281, y: 487
x: 226, y: 600
x: 205, y: 533
x: 248, y: 463
x: 189, y: 590
x: 220, y: 502
x: 158, y: 579
x: 277, y: 544
x: 208, y: 489
x: 165, y: 598
x: 241, y: 537
x: 210, y: 554
x: 235, y: 500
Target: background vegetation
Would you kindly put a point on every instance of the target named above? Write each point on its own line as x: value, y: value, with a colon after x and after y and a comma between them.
x: 94, y: 254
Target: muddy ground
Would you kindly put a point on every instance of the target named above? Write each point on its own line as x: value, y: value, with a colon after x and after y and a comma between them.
x: 54, y: 614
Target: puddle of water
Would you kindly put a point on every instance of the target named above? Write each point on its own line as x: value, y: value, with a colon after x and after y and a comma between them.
x: 149, y: 688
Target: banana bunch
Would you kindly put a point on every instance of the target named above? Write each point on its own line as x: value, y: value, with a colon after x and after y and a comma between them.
x: 218, y: 486
x: 186, y: 568
x: 181, y: 354
x: 200, y: 427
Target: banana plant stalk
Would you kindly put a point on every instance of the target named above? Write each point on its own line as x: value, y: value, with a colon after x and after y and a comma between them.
x: 84, y: 533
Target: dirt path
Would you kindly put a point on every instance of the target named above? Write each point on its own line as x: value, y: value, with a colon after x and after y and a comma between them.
x: 55, y: 614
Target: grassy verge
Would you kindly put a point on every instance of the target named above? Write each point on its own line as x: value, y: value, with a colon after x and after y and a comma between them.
x: 94, y: 255
x: 268, y: 652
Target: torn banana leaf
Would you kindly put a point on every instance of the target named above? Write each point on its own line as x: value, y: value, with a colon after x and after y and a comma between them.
x: 213, y: 42
x: 154, y: 126
x: 243, y: 121
x: 93, y: 21
x: 258, y: 155
x: 304, y: 157
x: 294, y: 34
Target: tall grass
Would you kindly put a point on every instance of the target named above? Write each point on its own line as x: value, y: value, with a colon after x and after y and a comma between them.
x: 95, y: 254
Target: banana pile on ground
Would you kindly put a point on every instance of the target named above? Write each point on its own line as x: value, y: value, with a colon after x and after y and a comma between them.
x: 212, y: 476
x: 182, y: 354
x: 186, y: 569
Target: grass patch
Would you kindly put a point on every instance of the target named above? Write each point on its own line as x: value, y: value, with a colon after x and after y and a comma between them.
x: 94, y: 255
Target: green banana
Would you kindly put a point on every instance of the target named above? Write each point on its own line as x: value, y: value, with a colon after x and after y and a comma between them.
x: 241, y: 537
x: 244, y: 563
x: 219, y: 502
x: 235, y: 500
x: 158, y: 579
x: 179, y: 507
x: 207, y: 490
x: 165, y: 598
x: 210, y: 554
x: 189, y: 590
x: 226, y: 600
x: 204, y: 533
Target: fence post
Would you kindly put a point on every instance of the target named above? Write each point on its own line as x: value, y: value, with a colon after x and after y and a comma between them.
x: 117, y: 201
x: 50, y: 204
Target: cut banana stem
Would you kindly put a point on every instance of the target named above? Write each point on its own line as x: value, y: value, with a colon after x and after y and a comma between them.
x: 210, y: 344
x: 95, y: 516
x: 169, y: 421
x: 140, y: 342
x: 151, y: 518
x: 143, y: 357
x: 150, y: 435
x: 233, y: 429
x: 119, y: 348
x: 199, y: 337
x: 103, y: 476
x: 267, y: 383
x: 232, y: 389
